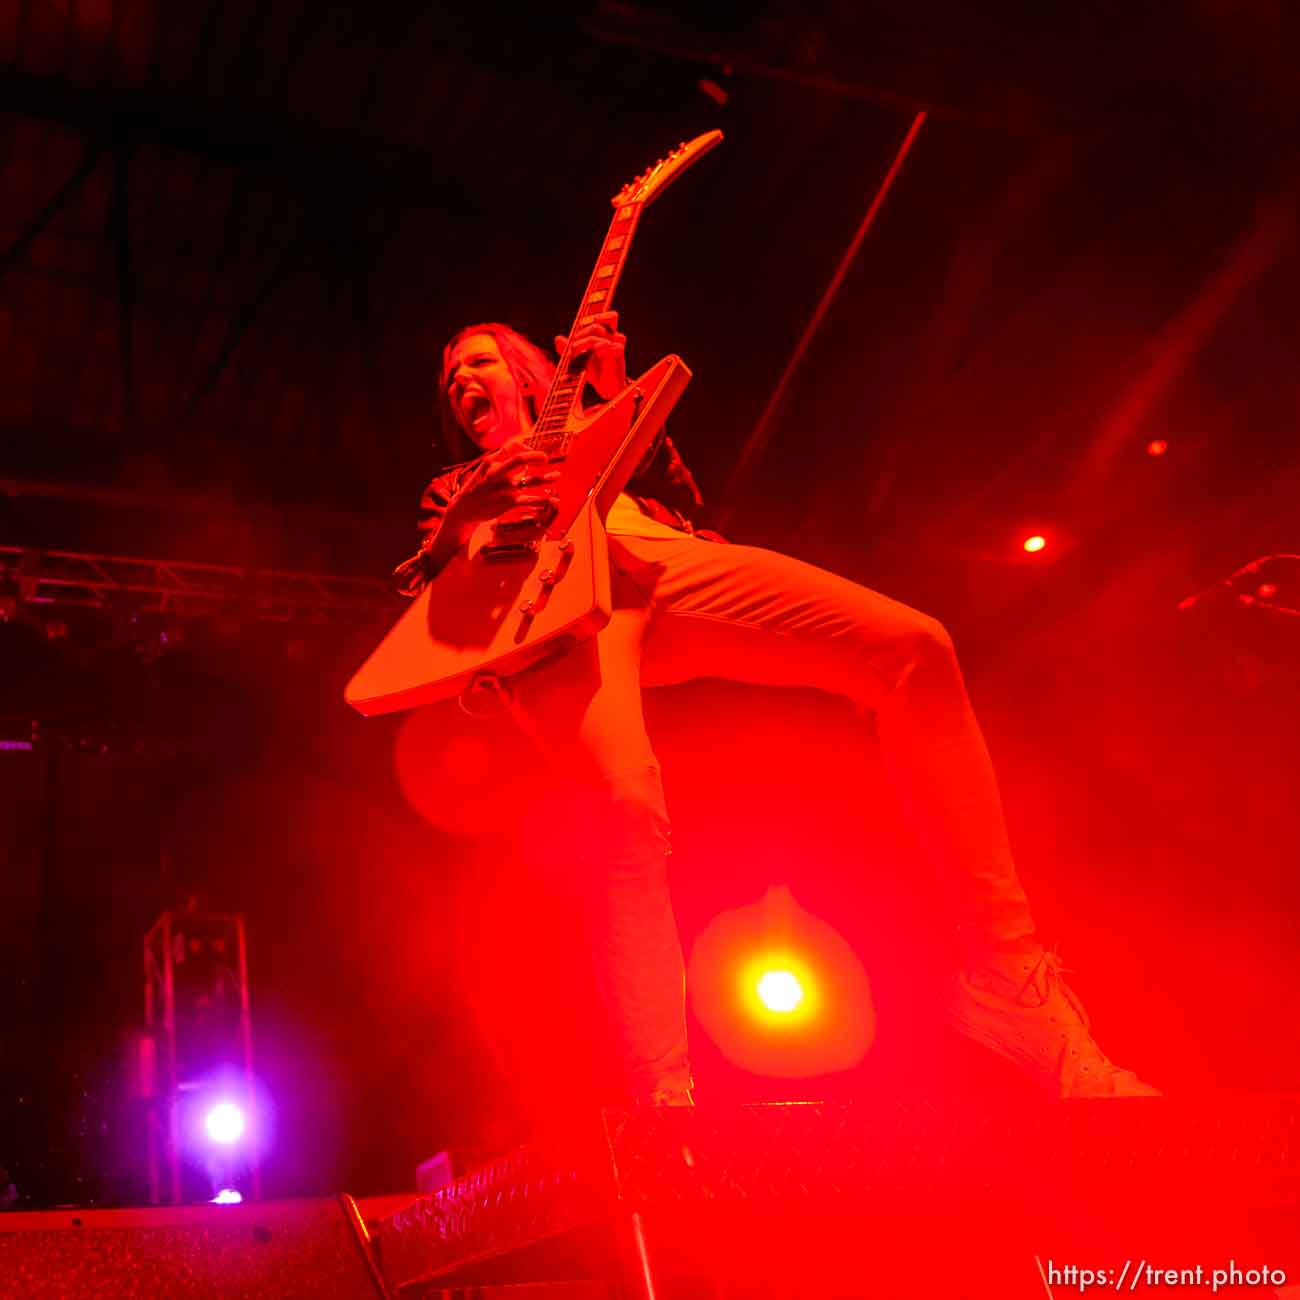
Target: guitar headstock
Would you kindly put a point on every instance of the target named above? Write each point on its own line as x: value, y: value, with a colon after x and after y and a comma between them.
x: 654, y: 180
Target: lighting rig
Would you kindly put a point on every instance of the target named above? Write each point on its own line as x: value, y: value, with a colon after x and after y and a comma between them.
x: 204, y: 1127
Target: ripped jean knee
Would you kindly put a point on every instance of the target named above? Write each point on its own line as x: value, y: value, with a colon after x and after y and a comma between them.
x: 626, y: 827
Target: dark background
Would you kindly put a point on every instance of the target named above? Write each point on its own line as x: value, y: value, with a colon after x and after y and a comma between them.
x: 233, y: 237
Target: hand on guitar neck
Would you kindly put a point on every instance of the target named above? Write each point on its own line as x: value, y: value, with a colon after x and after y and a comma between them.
x: 605, y: 351
x: 497, y: 389
x: 508, y: 486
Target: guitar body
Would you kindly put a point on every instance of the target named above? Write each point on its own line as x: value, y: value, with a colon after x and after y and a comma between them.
x: 531, y: 583
x: 501, y: 605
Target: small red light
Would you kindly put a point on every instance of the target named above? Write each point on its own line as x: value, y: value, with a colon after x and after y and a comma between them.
x: 1157, y: 447
x: 1035, y: 543
x: 714, y: 91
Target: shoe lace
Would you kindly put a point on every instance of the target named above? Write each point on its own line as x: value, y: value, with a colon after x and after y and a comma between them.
x: 1047, y: 974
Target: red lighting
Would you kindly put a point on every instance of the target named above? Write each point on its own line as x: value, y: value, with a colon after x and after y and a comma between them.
x: 714, y: 91
x: 1035, y: 543
x: 1157, y: 447
x: 780, y: 991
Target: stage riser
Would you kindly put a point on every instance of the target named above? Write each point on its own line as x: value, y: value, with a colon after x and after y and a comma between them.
x: 273, y: 1249
x: 800, y: 1196
x: 524, y: 1291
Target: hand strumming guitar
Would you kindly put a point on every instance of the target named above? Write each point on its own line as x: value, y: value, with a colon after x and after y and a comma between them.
x: 510, y: 478
x: 504, y: 479
x: 508, y: 484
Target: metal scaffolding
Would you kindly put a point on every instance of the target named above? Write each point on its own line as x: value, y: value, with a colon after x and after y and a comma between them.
x: 34, y: 576
x: 196, y: 1052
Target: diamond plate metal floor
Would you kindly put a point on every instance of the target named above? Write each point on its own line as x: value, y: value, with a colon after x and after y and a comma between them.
x: 804, y: 1199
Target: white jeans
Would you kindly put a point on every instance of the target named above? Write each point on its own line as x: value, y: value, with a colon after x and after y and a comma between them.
x: 687, y: 608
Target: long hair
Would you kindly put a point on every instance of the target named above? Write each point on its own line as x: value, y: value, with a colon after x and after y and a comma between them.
x: 530, y: 367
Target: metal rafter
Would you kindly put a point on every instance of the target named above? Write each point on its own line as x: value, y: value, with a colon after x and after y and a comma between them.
x: 232, y: 227
x: 289, y: 260
x: 631, y: 26
x: 250, y: 146
x: 119, y: 222
x: 51, y: 209
x: 35, y: 576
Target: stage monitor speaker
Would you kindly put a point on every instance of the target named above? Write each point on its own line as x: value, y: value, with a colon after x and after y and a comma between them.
x: 307, y: 1248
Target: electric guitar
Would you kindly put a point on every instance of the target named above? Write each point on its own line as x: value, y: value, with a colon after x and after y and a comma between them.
x: 526, y: 587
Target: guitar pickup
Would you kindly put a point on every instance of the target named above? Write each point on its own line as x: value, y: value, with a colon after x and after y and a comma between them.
x: 504, y: 552
x: 523, y: 518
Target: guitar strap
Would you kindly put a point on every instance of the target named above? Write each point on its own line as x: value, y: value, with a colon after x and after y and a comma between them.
x: 488, y: 696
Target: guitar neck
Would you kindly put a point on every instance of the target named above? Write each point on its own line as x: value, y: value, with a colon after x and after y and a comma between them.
x: 566, y: 387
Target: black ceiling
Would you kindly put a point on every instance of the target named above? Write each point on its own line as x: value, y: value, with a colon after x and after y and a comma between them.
x: 235, y: 234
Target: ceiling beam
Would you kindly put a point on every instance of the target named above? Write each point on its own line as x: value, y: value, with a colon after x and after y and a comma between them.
x: 629, y: 26
x: 319, y: 158
x: 51, y: 209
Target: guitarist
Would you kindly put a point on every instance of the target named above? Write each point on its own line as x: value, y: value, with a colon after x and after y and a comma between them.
x: 688, y: 605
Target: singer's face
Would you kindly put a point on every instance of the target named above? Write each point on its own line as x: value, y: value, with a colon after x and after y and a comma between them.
x: 483, y: 393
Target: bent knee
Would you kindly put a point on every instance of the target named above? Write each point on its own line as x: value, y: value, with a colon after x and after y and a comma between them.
x: 930, y: 639
x: 918, y: 643
x: 627, y: 812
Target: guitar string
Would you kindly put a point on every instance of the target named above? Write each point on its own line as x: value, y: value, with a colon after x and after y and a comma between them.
x: 555, y: 410
x: 549, y: 413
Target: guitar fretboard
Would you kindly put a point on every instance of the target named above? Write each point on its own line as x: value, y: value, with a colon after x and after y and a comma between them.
x: 549, y: 433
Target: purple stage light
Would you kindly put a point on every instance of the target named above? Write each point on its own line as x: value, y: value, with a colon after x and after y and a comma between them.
x: 224, y: 1123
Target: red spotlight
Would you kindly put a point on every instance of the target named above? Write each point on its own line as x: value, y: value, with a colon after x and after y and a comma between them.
x: 1035, y: 543
x: 781, y: 992
x: 1157, y: 447
x: 714, y: 91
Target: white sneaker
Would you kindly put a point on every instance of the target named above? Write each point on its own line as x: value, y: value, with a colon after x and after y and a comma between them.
x: 1018, y: 1005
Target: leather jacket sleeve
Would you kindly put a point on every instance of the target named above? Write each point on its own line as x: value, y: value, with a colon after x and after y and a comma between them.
x: 439, y: 493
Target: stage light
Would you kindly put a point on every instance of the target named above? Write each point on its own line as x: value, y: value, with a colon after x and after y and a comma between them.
x: 714, y: 91
x: 1035, y: 543
x: 776, y: 988
x: 779, y: 991
x: 227, y: 1196
x: 717, y: 86
x: 224, y: 1123
x: 1157, y: 447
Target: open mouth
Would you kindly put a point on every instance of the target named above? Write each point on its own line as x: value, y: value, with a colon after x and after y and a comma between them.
x: 477, y: 410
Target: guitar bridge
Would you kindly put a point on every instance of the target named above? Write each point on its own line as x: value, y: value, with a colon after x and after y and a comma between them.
x: 505, y: 552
